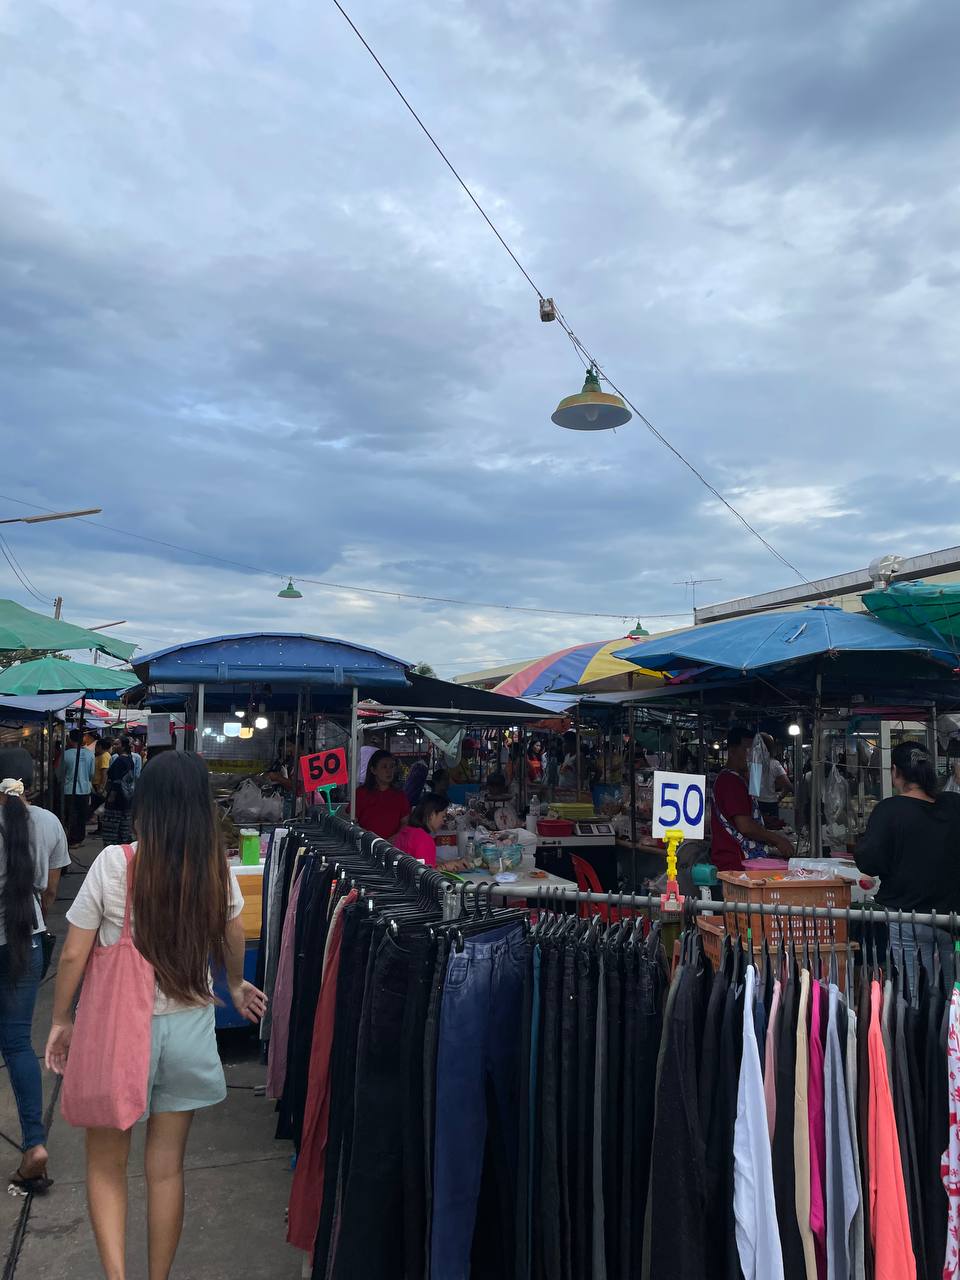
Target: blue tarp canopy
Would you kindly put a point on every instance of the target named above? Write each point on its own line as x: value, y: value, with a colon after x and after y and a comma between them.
x: 775, y: 640
x: 266, y: 657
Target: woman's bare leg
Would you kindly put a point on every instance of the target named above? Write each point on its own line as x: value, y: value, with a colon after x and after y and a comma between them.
x: 107, y: 1154
x: 167, y: 1134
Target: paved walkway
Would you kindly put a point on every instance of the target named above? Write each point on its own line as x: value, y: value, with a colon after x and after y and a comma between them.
x: 238, y: 1178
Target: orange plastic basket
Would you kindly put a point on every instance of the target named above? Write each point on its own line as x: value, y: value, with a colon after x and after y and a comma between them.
x: 792, y: 894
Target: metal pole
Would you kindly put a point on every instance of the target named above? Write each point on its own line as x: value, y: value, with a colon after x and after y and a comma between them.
x: 199, y: 730
x: 296, y: 752
x: 579, y: 768
x: 632, y: 766
x: 354, y: 753
x: 816, y: 776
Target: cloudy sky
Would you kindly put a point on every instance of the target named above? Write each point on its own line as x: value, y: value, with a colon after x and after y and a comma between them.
x: 246, y: 310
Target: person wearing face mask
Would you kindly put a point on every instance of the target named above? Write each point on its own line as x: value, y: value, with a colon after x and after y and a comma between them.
x: 912, y: 842
x: 381, y: 806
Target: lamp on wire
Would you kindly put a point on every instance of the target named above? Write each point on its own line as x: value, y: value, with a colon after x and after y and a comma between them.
x: 591, y: 409
x: 289, y: 592
x: 793, y: 730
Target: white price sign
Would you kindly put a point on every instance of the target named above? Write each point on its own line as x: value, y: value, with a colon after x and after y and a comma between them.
x: 679, y: 804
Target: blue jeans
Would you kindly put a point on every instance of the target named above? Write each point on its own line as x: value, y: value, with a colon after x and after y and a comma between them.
x: 16, y: 1043
x: 479, y: 1018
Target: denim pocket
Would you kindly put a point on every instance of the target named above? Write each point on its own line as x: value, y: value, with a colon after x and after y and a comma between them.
x: 458, y: 970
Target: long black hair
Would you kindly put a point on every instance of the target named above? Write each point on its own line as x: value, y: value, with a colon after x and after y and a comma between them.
x: 913, y: 764
x: 19, y: 902
x: 425, y: 810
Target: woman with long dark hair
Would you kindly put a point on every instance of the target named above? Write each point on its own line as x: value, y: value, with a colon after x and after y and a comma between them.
x: 185, y: 912
x: 33, y: 850
x: 912, y: 843
x: 381, y: 806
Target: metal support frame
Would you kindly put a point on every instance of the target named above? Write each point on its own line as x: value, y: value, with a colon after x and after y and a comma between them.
x: 354, y: 753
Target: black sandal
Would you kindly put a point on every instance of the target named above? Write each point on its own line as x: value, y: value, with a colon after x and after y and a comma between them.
x: 36, y: 1186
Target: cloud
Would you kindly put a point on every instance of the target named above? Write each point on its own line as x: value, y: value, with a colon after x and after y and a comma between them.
x: 246, y: 309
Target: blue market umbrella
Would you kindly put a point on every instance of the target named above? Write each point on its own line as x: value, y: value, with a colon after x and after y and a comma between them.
x: 773, y: 641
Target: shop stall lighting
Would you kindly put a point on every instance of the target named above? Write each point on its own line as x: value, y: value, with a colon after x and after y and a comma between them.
x: 591, y: 409
x: 221, y: 738
x: 261, y: 722
x: 231, y: 729
x: 246, y: 731
x: 289, y: 592
x: 239, y: 714
x: 793, y: 730
x: 207, y: 731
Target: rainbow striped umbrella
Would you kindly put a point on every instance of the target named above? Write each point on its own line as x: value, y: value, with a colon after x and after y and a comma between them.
x: 581, y: 664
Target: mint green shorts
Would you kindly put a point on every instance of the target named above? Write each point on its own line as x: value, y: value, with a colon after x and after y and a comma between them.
x: 185, y: 1069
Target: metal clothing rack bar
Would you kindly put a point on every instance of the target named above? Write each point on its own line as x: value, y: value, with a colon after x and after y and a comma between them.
x: 558, y: 898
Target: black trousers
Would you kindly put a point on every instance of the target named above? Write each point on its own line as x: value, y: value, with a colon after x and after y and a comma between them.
x: 75, y: 810
x: 386, y: 1158
x: 547, y: 1246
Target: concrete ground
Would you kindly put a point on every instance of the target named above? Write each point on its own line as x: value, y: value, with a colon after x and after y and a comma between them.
x: 238, y: 1177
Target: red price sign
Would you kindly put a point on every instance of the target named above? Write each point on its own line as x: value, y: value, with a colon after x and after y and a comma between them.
x: 325, y: 769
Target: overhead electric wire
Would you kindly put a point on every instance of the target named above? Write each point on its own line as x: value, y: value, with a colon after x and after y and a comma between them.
x: 578, y: 345
x: 344, y: 586
x: 21, y: 573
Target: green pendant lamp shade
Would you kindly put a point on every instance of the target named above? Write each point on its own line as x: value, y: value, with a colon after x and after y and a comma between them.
x: 289, y: 592
x: 592, y: 409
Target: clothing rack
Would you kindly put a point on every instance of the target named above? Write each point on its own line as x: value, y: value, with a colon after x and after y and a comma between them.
x: 553, y: 897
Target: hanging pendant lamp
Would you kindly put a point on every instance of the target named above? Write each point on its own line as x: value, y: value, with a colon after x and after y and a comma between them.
x: 289, y: 592
x: 592, y: 409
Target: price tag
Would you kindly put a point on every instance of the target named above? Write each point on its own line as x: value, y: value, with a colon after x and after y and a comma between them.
x: 679, y: 804
x: 325, y: 769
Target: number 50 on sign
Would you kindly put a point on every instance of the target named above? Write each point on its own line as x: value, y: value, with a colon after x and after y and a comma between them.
x: 679, y: 804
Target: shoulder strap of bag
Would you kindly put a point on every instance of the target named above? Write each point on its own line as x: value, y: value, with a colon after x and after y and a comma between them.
x: 129, y: 854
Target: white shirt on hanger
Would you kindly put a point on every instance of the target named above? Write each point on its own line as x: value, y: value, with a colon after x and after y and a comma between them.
x: 754, y: 1206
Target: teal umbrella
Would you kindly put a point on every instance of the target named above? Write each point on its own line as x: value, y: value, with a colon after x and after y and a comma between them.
x: 55, y: 675
x: 21, y: 628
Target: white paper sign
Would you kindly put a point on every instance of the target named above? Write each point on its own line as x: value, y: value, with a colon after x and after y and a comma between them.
x: 679, y: 804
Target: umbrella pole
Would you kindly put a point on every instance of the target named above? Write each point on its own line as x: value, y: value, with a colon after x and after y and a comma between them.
x: 579, y: 765
x: 631, y: 765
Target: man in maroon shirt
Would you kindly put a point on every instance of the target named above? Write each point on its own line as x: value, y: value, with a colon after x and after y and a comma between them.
x: 737, y: 833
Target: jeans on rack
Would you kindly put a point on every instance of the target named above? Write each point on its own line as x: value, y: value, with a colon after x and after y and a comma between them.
x: 582, y: 1214
x: 17, y: 1003
x: 526, y: 1129
x: 477, y: 1050
x: 909, y: 939
x: 431, y: 1038
x: 568, y: 1106
x: 382, y: 1166
x: 546, y: 1185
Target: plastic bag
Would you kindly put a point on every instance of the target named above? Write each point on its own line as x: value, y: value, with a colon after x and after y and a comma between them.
x: 953, y: 782
x: 759, y: 762
x: 247, y: 803
x: 835, y: 797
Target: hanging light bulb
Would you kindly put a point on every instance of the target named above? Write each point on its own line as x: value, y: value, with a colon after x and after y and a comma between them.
x: 221, y: 737
x: 289, y: 592
x: 246, y: 731
x: 592, y: 409
x: 261, y: 722
x: 231, y: 729
x: 239, y: 712
x: 793, y: 730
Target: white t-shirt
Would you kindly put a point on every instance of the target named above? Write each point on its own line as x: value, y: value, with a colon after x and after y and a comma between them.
x: 48, y: 847
x: 102, y: 899
x: 768, y: 786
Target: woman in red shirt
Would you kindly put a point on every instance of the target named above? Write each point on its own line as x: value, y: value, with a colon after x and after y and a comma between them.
x: 381, y: 806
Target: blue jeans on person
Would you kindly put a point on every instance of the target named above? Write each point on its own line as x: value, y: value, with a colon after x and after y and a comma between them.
x: 478, y: 1042
x: 16, y: 1043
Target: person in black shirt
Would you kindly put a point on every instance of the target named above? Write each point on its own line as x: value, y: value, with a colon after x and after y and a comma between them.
x: 912, y: 843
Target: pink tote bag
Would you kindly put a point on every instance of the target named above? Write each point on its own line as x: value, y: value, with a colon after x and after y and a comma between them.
x: 105, y: 1081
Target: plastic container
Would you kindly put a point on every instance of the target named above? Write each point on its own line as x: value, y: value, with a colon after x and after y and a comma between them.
x: 791, y: 894
x: 554, y: 827
x: 501, y: 857
x: 249, y: 847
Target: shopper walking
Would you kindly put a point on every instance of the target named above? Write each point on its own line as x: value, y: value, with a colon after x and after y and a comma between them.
x: 77, y: 767
x: 116, y: 821
x: 33, y: 851
x: 183, y: 902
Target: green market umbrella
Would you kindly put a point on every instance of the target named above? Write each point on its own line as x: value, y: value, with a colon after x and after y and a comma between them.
x: 919, y: 607
x: 55, y: 675
x: 21, y: 628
